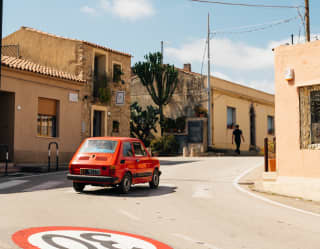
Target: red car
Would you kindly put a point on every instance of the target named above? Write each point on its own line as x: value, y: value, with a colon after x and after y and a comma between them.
x: 113, y: 161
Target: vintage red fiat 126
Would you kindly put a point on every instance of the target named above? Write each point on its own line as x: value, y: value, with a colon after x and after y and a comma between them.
x: 113, y: 161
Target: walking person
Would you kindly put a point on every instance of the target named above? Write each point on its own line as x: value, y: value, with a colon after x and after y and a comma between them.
x: 236, y: 136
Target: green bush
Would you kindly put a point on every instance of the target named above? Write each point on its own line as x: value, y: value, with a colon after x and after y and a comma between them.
x: 165, y: 145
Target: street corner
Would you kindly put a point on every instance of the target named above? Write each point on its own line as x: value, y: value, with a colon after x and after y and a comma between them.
x: 82, y: 237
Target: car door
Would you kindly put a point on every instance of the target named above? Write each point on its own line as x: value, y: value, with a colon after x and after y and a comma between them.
x: 143, y: 162
x: 128, y: 160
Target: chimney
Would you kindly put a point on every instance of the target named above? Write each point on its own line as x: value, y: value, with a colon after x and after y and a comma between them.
x: 187, y: 67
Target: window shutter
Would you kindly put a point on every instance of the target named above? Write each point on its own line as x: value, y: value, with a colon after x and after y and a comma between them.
x: 47, y: 107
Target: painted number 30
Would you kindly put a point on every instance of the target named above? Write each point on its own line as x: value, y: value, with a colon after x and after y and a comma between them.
x: 77, y: 238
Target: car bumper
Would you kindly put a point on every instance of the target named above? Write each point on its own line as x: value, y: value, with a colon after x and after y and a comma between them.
x: 97, y: 179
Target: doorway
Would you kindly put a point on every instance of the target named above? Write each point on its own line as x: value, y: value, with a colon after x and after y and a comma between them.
x: 252, y: 129
x: 97, y: 123
x: 6, y: 123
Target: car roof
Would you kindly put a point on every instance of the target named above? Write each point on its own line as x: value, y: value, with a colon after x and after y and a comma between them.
x: 115, y: 138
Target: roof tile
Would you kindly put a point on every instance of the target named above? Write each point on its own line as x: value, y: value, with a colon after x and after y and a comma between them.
x: 26, y: 65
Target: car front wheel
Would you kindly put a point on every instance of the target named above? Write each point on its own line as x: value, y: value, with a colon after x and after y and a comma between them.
x: 154, y: 183
x: 78, y: 187
x: 125, y: 183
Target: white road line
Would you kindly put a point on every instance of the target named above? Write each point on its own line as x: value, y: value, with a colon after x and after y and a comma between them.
x: 194, y: 241
x: 202, y: 191
x: 131, y: 216
x: 44, y: 186
x: 12, y: 183
x: 236, y: 185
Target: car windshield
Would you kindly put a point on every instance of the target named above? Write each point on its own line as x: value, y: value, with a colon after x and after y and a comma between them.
x: 98, y: 146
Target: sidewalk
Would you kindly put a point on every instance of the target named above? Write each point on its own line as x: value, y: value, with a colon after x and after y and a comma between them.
x: 253, y: 178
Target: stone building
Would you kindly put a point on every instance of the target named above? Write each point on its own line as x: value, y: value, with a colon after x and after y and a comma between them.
x: 106, y: 96
x: 38, y: 105
x: 231, y: 104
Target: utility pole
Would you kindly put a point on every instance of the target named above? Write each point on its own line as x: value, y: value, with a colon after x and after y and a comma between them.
x: 162, y: 52
x: 1, y: 18
x: 307, y: 18
x: 209, y: 88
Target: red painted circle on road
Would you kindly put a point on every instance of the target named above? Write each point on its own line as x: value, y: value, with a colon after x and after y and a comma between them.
x: 82, y: 237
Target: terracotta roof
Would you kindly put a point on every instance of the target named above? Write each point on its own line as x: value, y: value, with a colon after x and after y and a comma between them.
x: 26, y: 65
x: 70, y: 39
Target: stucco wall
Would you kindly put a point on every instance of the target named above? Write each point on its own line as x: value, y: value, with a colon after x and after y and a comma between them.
x: 28, y: 87
x: 78, y: 58
x: 304, y: 60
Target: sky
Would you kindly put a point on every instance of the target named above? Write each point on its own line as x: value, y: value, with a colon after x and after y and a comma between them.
x: 138, y: 27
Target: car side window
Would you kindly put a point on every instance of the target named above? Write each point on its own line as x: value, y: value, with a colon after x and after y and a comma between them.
x: 127, y: 149
x: 139, y: 149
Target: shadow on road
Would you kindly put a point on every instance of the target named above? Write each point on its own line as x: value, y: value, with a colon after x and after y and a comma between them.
x: 172, y: 163
x: 136, y: 191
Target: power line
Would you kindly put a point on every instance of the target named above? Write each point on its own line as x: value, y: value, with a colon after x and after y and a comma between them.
x: 254, y: 28
x: 248, y: 5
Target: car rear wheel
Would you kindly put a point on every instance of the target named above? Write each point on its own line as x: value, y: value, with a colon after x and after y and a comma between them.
x: 154, y: 183
x: 125, y: 184
x: 78, y: 187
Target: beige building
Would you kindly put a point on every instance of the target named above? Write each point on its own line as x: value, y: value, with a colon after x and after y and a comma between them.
x: 38, y: 105
x: 105, y: 99
x: 231, y: 104
x: 297, y: 83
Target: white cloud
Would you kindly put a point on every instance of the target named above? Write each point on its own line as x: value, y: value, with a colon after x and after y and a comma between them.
x: 88, y: 10
x: 226, y: 53
x: 128, y: 9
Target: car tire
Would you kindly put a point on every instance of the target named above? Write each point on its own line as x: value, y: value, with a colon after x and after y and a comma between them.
x: 125, y: 184
x: 154, y: 183
x: 78, y: 187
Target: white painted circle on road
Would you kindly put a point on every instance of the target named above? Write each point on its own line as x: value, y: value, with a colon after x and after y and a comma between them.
x: 82, y: 238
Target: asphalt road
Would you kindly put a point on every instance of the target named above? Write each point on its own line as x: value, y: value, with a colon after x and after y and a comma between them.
x: 196, y: 206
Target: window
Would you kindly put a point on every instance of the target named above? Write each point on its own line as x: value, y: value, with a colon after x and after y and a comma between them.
x: 115, y: 126
x: 99, y: 71
x: 47, y: 118
x: 117, y: 72
x: 231, y: 117
x: 127, y: 149
x: 98, y: 146
x: 138, y: 149
x: 270, y: 125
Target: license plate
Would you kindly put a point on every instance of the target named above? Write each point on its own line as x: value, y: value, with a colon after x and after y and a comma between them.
x: 92, y: 172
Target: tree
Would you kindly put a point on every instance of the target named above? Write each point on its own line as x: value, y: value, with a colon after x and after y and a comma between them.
x: 160, y: 80
x: 142, y: 123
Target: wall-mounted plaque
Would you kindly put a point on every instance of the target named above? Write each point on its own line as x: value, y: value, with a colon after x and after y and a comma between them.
x: 120, y: 97
x: 195, y: 131
x: 73, y: 97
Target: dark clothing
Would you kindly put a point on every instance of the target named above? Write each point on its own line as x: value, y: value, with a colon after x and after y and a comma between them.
x: 237, y: 138
x: 237, y: 135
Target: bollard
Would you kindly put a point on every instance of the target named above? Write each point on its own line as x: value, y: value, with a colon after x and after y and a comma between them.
x: 266, y: 154
x: 49, y: 155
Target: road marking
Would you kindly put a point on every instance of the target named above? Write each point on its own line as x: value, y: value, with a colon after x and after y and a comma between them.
x: 44, y: 186
x: 82, y: 238
x: 12, y: 183
x: 181, y: 236
x: 202, y: 191
x: 237, y: 186
x: 131, y: 216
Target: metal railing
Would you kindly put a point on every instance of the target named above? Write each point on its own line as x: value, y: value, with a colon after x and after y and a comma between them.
x: 49, y: 155
x: 7, y: 157
x: 10, y: 50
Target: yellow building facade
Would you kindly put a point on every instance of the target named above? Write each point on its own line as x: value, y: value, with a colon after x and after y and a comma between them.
x: 231, y: 103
